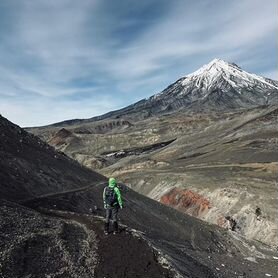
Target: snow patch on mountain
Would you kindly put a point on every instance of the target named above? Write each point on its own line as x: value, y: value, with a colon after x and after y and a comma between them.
x: 230, y: 71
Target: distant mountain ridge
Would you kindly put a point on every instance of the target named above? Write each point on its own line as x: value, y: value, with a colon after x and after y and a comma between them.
x: 217, y: 85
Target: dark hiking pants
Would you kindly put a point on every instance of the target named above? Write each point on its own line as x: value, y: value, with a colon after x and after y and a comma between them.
x: 111, y: 215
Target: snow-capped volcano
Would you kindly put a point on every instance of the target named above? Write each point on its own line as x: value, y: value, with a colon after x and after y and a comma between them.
x: 219, y: 84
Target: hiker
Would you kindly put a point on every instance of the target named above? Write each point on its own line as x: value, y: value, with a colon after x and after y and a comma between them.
x: 112, y: 202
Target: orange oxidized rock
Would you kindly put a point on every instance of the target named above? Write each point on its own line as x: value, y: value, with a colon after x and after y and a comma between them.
x: 186, y: 201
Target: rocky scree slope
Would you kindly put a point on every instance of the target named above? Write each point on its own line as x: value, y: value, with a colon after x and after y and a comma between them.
x: 59, y: 233
x: 223, y: 171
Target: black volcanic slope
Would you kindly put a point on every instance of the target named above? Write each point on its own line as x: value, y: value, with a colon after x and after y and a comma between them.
x: 51, y: 225
x: 30, y: 167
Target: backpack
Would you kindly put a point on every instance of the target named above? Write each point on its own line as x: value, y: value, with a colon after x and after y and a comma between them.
x: 110, y: 196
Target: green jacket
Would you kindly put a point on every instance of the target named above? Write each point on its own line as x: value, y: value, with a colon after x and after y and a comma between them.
x: 113, y: 184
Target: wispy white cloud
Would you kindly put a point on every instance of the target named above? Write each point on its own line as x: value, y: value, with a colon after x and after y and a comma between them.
x: 71, y: 53
x: 189, y: 32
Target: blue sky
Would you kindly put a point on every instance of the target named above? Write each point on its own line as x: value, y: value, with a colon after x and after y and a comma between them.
x: 65, y: 59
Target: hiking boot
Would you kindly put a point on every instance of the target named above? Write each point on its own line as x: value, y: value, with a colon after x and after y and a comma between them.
x: 115, y: 228
x: 106, y: 227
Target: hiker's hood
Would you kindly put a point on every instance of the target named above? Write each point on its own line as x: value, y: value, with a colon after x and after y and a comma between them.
x: 112, y: 182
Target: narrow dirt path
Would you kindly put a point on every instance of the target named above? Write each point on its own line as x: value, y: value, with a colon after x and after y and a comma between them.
x: 121, y: 255
x: 84, y: 188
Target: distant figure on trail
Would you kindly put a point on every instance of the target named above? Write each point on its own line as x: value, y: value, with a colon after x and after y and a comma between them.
x: 112, y: 201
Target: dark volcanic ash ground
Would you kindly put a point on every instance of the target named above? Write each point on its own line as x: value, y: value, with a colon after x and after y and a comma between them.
x: 51, y: 225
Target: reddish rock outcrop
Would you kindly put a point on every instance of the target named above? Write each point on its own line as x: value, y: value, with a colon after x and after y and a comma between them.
x: 194, y: 204
x: 186, y: 201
